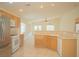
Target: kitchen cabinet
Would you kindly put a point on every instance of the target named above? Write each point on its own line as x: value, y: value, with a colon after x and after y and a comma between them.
x: 69, y: 47
x: 46, y: 41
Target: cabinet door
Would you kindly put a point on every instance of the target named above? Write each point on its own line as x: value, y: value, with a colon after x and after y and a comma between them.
x: 42, y: 41
x: 53, y: 42
x: 46, y: 41
x: 69, y: 47
x: 15, y: 43
x: 39, y: 41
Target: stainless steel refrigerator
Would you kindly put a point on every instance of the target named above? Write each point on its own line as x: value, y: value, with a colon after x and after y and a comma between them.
x: 5, y: 40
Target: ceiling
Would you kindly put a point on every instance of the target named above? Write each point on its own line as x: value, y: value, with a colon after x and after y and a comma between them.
x: 32, y: 10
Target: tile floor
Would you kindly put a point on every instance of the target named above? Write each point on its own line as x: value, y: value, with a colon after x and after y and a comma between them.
x: 34, y: 52
x: 28, y: 49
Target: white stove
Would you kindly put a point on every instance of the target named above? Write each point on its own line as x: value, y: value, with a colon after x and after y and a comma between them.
x: 15, y: 43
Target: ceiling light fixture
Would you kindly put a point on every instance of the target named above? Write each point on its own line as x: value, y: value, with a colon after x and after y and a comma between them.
x: 41, y: 6
x: 21, y: 10
x: 52, y: 5
x: 11, y: 1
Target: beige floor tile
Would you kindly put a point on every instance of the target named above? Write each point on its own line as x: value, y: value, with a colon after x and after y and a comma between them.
x: 27, y: 51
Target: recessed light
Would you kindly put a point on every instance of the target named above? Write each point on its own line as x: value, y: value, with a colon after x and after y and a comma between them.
x: 10, y: 2
x: 21, y: 10
x: 41, y: 6
x: 52, y: 5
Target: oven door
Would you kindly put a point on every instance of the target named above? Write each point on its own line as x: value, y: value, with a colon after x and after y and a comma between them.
x: 15, y: 43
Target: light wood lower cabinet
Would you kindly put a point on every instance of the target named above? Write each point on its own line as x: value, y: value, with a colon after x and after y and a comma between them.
x: 46, y: 41
x: 6, y: 52
x: 53, y: 41
x: 39, y: 41
x: 69, y: 47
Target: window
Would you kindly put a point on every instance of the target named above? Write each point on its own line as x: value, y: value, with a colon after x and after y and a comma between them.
x: 77, y: 27
x: 40, y: 28
x: 50, y: 28
x: 37, y: 27
x: 23, y: 28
